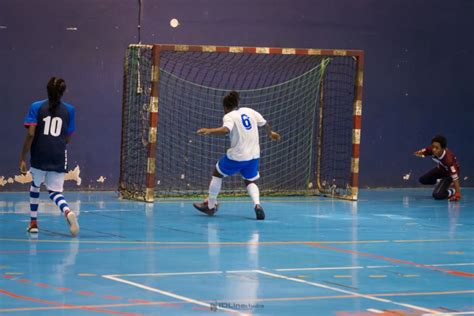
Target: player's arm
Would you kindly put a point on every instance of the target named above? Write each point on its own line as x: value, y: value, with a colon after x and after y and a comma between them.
x: 72, y: 124
x: 270, y: 133
x: 455, y: 176
x: 30, y: 135
x: 423, y: 152
x: 218, y: 131
x: 227, y: 126
x: 268, y: 127
x: 457, y: 195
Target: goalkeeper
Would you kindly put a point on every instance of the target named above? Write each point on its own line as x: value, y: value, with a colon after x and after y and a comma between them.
x: 445, y: 174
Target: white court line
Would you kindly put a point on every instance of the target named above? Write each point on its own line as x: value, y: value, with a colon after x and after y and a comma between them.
x: 450, y: 264
x: 449, y: 314
x: 372, y: 267
x: 373, y: 298
x: 176, y: 296
x: 322, y: 268
x: 115, y: 277
x: 373, y: 310
x: 166, y: 274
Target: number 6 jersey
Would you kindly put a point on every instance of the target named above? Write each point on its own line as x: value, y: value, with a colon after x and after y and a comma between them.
x: 243, y: 125
x: 48, y: 150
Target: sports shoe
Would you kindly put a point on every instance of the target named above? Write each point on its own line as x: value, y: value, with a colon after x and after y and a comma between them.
x: 259, y: 212
x: 202, y: 207
x: 72, y: 222
x: 32, y: 228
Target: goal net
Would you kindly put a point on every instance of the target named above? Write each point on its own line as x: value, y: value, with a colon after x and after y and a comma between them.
x: 311, y: 97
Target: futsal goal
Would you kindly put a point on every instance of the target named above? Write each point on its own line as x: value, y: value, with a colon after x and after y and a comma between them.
x: 312, y: 97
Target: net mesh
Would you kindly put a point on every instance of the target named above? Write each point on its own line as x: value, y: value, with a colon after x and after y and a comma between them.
x: 307, y: 99
x: 135, y: 122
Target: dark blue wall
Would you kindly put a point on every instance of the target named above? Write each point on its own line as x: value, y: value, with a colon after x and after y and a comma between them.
x: 418, y: 72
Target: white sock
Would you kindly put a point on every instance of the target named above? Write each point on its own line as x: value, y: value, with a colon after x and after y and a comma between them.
x: 451, y: 192
x: 254, y: 193
x: 214, y: 189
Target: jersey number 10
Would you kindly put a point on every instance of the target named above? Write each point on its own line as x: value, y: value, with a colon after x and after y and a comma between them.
x: 52, y: 126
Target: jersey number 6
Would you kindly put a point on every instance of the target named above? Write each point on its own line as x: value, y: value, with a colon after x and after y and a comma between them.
x: 246, y: 121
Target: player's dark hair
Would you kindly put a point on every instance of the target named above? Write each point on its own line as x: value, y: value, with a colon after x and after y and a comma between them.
x: 441, y: 140
x: 56, y: 87
x: 231, y: 101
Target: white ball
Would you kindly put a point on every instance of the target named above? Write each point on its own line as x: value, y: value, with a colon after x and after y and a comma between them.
x: 174, y: 22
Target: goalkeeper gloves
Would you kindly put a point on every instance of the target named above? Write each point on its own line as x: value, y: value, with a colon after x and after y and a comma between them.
x: 455, y: 197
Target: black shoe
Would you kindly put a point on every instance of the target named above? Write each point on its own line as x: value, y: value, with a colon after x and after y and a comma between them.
x: 202, y: 207
x: 259, y: 212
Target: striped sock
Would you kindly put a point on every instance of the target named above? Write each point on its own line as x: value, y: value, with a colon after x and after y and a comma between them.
x: 451, y: 192
x: 60, y: 201
x: 34, y: 201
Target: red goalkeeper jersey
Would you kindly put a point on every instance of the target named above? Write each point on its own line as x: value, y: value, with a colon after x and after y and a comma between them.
x: 446, y: 162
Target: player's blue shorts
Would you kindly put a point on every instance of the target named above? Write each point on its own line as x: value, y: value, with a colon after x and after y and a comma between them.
x: 248, y: 169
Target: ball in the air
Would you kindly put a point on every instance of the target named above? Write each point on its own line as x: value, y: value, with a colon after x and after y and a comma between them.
x: 174, y: 22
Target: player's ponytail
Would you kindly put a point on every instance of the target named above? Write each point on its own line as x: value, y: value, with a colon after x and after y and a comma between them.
x: 231, y: 101
x: 56, y: 87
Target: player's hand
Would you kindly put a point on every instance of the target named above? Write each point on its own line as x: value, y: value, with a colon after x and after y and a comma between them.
x: 23, y: 168
x: 204, y: 131
x: 420, y: 153
x: 274, y: 136
x: 456, y: 197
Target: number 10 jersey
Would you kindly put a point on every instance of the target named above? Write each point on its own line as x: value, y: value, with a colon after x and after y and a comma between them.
x: 48, y: 150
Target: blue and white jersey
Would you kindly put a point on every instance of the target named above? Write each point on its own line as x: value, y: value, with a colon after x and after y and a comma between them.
x: 48, y: 150
x: 243, y: 125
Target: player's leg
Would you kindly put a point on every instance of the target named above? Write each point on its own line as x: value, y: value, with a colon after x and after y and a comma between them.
x: 38, y: 178
x: 250, y: 174
x: 224, y: 167
x: 254, y: 193
x: 442, y: 190
x: 431, y: 176
x: 209, y: 206
x: 54, y: 182
x: 34, y: 201
x: 214, y: 188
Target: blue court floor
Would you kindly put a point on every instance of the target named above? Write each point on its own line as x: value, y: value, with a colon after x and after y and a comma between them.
x: 394, y: 252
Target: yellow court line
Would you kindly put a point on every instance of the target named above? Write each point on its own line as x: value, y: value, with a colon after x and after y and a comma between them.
x: 21, y: 309
x: 262, y: 243
x: 432, y: 240
x: 191, y: 242
x: 268, y: 200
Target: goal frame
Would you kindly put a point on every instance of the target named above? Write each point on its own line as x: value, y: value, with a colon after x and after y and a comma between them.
x: 154, y: 106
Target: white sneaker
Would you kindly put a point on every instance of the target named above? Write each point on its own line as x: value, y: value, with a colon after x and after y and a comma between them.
x: 72, y: 222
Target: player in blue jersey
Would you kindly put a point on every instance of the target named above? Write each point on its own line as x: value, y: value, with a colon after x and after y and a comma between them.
x: 50, y: 125
x: 242, y: 157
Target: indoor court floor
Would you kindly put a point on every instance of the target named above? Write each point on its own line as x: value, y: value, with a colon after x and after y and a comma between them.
x: 394, y: 252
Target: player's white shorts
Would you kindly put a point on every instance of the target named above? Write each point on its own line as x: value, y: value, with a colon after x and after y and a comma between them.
x: 53, y: 180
